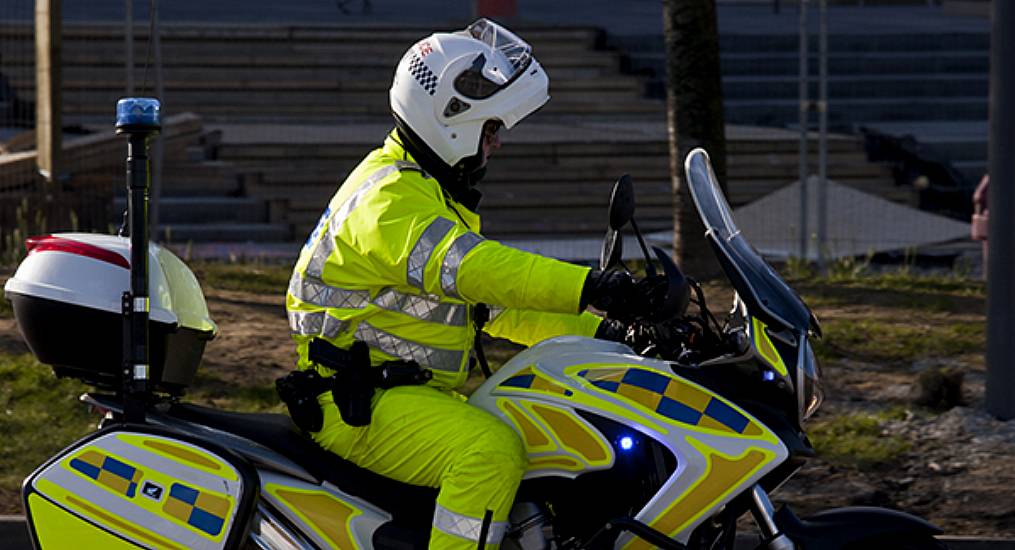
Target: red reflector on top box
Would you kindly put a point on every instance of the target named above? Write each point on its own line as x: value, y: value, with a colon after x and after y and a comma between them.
x: 45, y: 243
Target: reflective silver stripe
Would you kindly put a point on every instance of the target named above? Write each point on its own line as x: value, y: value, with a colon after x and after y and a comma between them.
x: 317, y: 323
x: 453, y: 259
x: 432, y: 358
x: 495, y: 311
x: 423, y: 249
x: 313, y: 291
x: 325, y: 246
x: 467, y: 527
x: 424, y: 308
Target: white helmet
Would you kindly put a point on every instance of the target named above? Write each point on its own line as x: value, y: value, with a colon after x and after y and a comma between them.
x: 449, y: 84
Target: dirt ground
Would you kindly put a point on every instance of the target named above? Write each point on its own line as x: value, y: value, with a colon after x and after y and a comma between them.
x: 959, y: 471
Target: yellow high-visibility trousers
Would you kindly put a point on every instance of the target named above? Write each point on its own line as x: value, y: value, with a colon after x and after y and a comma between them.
x: 423, y: 436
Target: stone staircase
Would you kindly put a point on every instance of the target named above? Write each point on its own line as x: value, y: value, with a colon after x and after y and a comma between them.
x: 309, y: 74
x: 561, y: 189
x: 289, y: 110
x: 203, y: 199
x: 929, y: 85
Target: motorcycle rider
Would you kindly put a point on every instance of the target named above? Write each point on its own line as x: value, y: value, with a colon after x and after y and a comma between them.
x: 398, y: 261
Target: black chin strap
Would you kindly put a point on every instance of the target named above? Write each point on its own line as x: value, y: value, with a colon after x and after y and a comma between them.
x: 459, y: 180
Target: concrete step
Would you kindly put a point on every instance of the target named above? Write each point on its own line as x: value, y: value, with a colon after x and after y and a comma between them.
x: 330, y: 33
x: 779, y: 112
x: 181, y: 178
x: 257, y: 81
x: 182, y: 233
x: 848, y: 63
x: 859, y: 86
x: 268, y: 59
x: 226, y: 35
x: 271, y: 153
x: 313, y: 107
x: 578, y: 169
x: 175, y: 210
x: 838, y: 42
x: 23, y: 75
x: 839, y: 63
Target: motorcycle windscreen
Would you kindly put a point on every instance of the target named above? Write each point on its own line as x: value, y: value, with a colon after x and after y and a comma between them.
x: 761, y: 288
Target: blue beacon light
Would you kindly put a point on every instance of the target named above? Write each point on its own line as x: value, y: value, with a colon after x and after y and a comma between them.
x: 626, y: 443
x: 768, y: 376
x: 138, y: 113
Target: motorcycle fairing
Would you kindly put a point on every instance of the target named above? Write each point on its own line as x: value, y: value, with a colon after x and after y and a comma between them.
x: 332, y: 518
x: 144, y: 486
x: 720, y: 449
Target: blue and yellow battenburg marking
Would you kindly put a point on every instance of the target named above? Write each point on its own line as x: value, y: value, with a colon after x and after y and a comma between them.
x: 122, y: 478
x: 527, y: 379
x: 671, y: 398
x: 200, y: 510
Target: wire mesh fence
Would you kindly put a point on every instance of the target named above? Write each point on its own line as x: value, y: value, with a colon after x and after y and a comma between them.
x: 266, y: 113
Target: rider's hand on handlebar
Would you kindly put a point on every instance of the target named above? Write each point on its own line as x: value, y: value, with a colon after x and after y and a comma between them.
x: 607, y: 290
x: 665, y: 339
x: 621, y: 297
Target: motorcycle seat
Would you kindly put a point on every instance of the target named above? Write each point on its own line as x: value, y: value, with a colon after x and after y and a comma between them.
x: 411, y: 505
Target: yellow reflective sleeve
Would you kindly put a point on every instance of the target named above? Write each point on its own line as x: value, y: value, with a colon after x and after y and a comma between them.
x: 499, y: 275
x: 531, y: 327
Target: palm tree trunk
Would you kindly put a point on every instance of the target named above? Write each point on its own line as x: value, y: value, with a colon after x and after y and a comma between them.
x: 694, y: 119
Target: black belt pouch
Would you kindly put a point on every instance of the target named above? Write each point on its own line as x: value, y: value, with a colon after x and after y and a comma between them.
x: 353, y: 386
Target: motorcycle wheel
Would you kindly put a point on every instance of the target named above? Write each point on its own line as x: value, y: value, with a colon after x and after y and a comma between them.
x: 900, y: 542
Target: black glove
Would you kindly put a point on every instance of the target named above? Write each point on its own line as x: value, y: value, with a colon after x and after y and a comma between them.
x: 617, y: 294
x: 607, y: 290
x: 665, y: 339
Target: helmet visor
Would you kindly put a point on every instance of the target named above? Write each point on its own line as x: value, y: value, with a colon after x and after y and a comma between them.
x: 487, y: 76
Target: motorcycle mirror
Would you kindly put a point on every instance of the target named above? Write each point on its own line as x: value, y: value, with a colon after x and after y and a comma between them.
x: 612, y: 250
x: 621, y: 203
x: 678, y: 290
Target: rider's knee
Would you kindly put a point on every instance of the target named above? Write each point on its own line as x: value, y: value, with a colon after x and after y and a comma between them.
x: 502, y: 449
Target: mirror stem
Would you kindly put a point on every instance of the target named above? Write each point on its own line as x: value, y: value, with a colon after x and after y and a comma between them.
x: 649, y: 268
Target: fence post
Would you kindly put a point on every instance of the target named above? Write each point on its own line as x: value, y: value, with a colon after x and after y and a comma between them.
x: 158, y: 149
x: 823, y: 137
x: 1000, y: 386
x: 47, y: 85
x: 128, y: 44
x: 805, y: 106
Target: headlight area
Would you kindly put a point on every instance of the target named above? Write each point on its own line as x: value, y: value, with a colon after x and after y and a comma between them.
x: 810, y: 393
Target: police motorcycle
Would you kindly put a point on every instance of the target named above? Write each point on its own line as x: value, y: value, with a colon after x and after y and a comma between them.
x: 664, y: 446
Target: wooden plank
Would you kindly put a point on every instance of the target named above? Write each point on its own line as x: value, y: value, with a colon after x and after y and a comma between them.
x: 48, y: 123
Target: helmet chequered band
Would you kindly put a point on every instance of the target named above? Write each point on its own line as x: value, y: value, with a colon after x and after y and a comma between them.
x: 422, y: 74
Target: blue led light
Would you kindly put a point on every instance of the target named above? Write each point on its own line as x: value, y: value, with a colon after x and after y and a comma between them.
x: 138, y: 112
x: 768, y: 376
x: 626, y: 443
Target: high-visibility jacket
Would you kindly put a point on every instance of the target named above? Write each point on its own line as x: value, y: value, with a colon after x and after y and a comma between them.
x: 398, y: 264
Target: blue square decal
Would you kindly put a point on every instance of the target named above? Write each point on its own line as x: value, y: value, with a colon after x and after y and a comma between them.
x: 726, y: 415
x: 677, y: 411
x: 648, y: 380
